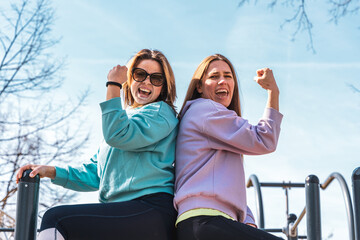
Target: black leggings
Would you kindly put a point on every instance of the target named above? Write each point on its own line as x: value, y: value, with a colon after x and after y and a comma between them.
x: 149, y: 217
x: 217, y: 227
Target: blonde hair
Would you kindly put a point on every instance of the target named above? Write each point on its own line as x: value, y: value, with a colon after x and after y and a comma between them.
x: 168, y: 91
x: 199, y: 74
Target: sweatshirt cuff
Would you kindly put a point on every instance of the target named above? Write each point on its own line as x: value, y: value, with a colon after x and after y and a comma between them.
x: 249, y: 220
x: 111, y: 105
x: 61, y: 177
x: 273, y: 114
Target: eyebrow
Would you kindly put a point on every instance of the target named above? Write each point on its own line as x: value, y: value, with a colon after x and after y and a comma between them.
x: 219, y: 72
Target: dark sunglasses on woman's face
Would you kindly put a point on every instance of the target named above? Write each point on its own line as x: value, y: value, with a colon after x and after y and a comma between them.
x: 156, y: 79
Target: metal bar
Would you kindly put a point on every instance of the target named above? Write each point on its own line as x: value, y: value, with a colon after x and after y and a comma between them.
x: 356, y: 195
x: 287, y: 210
x: 347, y: 200
x: 313, y: 221
x: 27, y: 207
x: 273, y: 230
x: 254, y: 181
x: 282, y: 185
x: 294, y: 227
x: 7, y: 229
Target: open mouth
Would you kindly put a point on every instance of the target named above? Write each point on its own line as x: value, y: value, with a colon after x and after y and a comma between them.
x: 222, y: 92
x: 144, y: 91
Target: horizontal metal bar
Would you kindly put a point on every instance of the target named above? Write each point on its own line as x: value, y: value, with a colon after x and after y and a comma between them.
x: 7, y: 229
x: 272, y: 229
x: 282, y: 185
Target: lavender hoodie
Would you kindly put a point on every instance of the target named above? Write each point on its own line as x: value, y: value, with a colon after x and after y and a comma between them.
x: 209, y: 164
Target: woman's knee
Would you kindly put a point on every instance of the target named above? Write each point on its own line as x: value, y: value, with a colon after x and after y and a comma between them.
x: 52, y: 216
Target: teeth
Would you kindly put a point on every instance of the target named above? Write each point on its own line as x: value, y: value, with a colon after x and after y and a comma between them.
x: 145, y: 90
x: 221, y: 91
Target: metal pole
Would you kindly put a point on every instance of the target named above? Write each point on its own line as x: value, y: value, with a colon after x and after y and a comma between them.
x: 27, y: 207
x: 254, y: 181
x: 313, y: 220
x: 347, y: 200
x: 356, y: 196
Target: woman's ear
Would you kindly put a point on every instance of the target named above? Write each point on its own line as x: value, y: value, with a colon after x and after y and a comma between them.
x: 199, y: 87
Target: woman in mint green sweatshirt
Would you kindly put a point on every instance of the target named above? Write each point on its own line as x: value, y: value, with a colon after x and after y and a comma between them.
x: 132, y: 169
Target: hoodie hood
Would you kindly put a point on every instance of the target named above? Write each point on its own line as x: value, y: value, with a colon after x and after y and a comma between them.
x: 187, y: 106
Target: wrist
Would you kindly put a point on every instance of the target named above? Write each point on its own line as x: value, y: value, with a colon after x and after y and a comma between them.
x: 113, y: 91
x: 52, y: 172
x: 112, y: 83
x: 275, y: 91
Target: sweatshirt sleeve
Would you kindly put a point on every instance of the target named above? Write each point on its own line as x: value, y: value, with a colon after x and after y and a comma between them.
x: 227, y: 131
x: 83, y: 178
x: 142, y: 130
x: 250, y: 219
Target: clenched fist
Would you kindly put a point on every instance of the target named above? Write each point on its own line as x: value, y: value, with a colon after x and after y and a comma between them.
x: 118, y: 74
x: 266, y: 80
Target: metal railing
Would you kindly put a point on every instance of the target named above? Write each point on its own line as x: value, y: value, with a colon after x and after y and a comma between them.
x: 356, y: 196
x: 312, y: 205
x: 313, y: 218
x: 28, y: 198
x: 26, y: 208
x: 254, y: 181
x: 347, y: 200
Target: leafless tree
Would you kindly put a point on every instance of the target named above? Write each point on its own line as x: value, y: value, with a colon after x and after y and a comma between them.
x: 353, y: 88
x: 301, y: 20
x: 34, y: 128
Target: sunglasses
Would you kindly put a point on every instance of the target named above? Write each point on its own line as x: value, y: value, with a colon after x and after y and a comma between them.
x: 156, y: 79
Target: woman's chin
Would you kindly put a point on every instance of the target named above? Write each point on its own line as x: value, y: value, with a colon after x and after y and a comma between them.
x: 142, y: 100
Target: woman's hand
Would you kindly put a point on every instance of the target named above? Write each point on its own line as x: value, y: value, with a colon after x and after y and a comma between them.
x: 118, y: 74
x: 265, y: 78
x: 42, y: 170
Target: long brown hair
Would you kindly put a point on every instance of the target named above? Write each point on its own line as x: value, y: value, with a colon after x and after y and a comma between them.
x: 168, y: 91
x: 199, y: 73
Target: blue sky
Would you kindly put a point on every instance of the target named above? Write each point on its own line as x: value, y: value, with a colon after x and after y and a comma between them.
x: 321, y: 128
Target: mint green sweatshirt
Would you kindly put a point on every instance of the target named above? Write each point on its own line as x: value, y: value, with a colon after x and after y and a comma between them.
x: 136, y: 157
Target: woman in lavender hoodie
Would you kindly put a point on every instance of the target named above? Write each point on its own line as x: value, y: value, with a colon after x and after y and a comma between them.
x: 210, y: 191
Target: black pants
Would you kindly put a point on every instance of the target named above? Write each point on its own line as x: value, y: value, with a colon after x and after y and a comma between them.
x: 216, y: 228
x: 149, y: 217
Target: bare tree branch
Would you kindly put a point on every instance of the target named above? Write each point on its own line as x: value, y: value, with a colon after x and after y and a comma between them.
x: 33, y: 128
x: 44, y: 124
x: 301, y: 20
x: 340, y: 9
x: 303, y: 23
x: 353, y: 88
x: 242, y: 2
x: 27, y: 46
